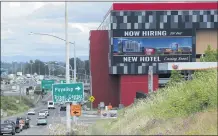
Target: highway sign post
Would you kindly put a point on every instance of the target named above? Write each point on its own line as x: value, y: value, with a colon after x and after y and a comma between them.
x: 47, y: 84
x: 68, y: 92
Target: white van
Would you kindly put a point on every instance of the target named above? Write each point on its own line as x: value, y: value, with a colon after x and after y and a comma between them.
x: 51, y: 105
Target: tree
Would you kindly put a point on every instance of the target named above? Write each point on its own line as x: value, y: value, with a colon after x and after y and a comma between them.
x: 39, y: 67
x: 211, y: 55
x: 175, y: 77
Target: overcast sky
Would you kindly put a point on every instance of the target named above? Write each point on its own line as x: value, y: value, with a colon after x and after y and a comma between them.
x: 18, y: 19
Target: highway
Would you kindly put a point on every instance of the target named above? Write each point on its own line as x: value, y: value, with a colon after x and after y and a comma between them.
x: 8, y: 91
x: 34, y: 129
x: 14, y: 92
x: 56, y: 117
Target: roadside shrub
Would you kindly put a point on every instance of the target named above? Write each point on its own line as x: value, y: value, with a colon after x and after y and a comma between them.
x: 176, y: 77
x: 189, y: 97
x: 211, y: 55
x: 177, y: 101
x: 9, y: 105
x: 28, y: 101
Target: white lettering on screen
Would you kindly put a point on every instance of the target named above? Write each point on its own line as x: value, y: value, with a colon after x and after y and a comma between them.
x: 147, y: 59
x: 130, y: 59
x: 132, y: 33
x: 144, y: 33
x: 154, y: 33
x: 141, y: 59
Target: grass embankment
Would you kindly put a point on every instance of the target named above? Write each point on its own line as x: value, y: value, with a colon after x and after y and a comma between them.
x: 186, y: 108
x: 9, y: 105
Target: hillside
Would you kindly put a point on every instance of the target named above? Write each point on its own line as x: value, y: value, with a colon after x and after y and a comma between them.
x: 186, y: 108
x: 9, y: 105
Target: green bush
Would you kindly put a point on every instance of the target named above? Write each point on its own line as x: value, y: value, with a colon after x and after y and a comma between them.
x: 179, y: 100
x: 8, y: 104
x: 189, y: 96
x: 211, y: 55
x: 176, y: 77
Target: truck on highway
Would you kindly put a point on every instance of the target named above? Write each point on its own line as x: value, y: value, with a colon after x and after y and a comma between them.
x: 51, y: 105
x: 19, y: 73
x: 28, y: 75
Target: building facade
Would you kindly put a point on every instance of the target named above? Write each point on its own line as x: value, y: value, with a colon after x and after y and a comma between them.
x: 139, y: 35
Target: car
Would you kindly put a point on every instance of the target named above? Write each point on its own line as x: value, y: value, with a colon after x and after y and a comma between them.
x: 46, y: 111
x: 7, y: 128
x: 41, y: 120
x: 31, y: 112
x: 42, y: 113
x: 17, y: 127
x: 63, y: 108
x: 61, y: 104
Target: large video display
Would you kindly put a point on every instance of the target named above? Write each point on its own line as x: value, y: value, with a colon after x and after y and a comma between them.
x: 152, y: 46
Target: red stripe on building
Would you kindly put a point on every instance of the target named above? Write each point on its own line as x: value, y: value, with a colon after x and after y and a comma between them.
x: 166, y: 6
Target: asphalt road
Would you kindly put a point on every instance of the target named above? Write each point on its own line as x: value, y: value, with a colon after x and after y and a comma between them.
x: 34, y: 129
x: 39, y: 130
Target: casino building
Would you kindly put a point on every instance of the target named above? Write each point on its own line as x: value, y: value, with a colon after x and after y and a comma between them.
x: 133, y: 32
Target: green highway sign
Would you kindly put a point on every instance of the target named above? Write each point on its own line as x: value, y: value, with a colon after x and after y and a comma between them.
x: 68, y: 92
x: 47, y: 84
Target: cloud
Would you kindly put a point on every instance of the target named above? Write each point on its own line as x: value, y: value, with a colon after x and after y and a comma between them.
x: 19, y: 19
x: 77, y: 11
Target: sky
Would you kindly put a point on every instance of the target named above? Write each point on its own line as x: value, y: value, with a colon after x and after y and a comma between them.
x: 18, y: 19
x: 164, y: 42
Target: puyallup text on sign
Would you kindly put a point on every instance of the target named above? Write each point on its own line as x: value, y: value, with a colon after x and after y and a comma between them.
x: 67, y: 89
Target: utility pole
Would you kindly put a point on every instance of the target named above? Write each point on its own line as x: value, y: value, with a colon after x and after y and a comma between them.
x: 21, y: 69
x: 15, y: 68
x: 31, y: 68
x: 67, y: 69
x: 45, y: 70
x: 12, y: 68
x: 20, y: 92
x: 39, y: 68
x: 150, y: 79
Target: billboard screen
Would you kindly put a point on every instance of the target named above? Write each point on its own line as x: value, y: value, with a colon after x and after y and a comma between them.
x: 165, y: 46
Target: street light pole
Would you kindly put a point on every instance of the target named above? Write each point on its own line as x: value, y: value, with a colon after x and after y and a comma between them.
x: 74, y: 62
x: 67, y: 68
